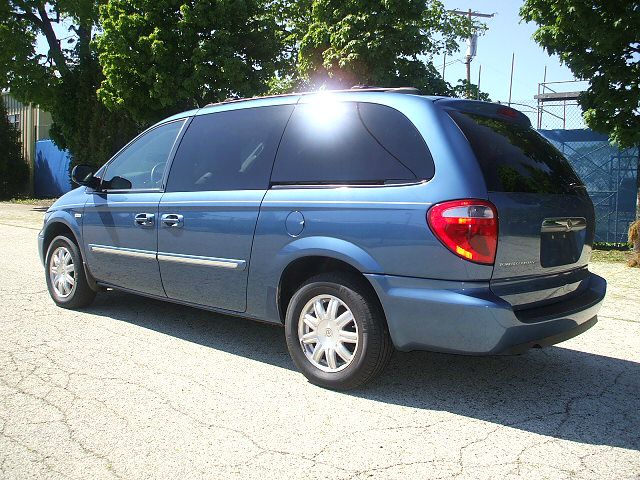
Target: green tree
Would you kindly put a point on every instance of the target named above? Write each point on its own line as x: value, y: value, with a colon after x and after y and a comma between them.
x: 64, y: 81
x: 14, y: 171
x: 463, y: 90
x: 292, y: 19
x: 378, y: 42
x: 600, y: 42
x: 163, y: 56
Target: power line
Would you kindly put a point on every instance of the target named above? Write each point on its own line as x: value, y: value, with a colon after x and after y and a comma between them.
x: 472, y: 41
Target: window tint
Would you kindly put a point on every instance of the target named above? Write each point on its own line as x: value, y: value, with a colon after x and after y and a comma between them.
x: 399, y: 137
x: 141, y: 165
x: 231, y: 150
x: 514, y: 157
x: 342, y: 142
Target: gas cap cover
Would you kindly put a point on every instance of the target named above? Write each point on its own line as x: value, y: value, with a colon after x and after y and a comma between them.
x: 294, y: 223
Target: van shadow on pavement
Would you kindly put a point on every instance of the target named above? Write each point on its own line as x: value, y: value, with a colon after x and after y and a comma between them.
x: 555, y: 392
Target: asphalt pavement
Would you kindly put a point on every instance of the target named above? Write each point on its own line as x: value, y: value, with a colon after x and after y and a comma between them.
x: 133, y: 388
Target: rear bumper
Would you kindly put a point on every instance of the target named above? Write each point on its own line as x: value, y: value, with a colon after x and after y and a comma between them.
x: 467, y: 318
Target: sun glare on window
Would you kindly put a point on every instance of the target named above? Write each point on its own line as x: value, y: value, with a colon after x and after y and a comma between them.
x: 325, y: 112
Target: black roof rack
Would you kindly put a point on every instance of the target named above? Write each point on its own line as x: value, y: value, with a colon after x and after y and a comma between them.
x: 355, y: 88
x: 372, y: 88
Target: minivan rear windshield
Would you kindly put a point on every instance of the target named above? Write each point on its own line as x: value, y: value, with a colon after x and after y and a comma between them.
x: 514, y: 157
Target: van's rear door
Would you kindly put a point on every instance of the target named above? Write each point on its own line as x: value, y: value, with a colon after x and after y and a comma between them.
x: 546, y: 219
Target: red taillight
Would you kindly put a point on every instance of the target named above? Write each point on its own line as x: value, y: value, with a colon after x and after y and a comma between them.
x: 469, y: 228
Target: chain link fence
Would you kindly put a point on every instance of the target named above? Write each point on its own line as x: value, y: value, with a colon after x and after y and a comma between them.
x: 561, y: 115
x: 609, y: 173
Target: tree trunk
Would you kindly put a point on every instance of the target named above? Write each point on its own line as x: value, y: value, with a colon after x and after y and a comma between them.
x: 55, y: 50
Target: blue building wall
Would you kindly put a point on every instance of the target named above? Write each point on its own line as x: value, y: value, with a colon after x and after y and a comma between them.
x: 51, y: 170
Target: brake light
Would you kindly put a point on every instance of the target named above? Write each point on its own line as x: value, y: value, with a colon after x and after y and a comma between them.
x: 508, y: 112
x: 469, y: 228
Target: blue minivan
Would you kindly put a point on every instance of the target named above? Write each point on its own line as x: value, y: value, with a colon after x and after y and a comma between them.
x: 361, y: 220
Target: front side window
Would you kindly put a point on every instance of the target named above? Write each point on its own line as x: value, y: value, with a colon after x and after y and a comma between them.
x: 231, y: 150
x: 329, y: 142
x: 141, y: 165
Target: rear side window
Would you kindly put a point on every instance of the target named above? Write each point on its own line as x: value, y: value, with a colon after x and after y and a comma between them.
x: 348, y: 142
x: 514, y: 157
x: 232, y: 150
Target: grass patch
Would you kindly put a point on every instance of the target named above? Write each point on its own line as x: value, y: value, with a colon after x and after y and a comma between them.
x: 24, y: 200
x: 624, y: 246
x: 611, y: 256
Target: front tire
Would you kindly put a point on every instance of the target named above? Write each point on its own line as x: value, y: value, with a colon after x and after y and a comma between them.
x: 336, y: 332
x: 66, y: 279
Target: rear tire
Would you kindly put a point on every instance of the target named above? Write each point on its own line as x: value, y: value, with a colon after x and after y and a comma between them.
x: 65, y: 275
x: 336, y: 332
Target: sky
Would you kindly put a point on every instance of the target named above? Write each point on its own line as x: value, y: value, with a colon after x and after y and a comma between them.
x: 505, y: 35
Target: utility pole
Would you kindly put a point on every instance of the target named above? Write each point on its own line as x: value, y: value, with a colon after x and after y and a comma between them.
x: 472, y: 42
x: 444, y: 64
x: 513, y: 59
x: 471, y: 53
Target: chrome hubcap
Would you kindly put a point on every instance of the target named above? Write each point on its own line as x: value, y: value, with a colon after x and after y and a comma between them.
x: 328, y: 333
x: 61, y: 272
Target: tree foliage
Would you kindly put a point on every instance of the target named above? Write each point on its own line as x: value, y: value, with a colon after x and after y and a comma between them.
x: 14, y: 171
x: 292, y: 19
x: 162, y: 56
x: 463, y: 89
x: 64, y: 80
x: 123, y: 64
x: 166, y: 56
x: 378, y: 42
x: 600, y: 42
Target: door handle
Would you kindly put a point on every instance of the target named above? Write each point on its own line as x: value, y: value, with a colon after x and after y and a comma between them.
x: 172, y: 220
x: 145, y: 219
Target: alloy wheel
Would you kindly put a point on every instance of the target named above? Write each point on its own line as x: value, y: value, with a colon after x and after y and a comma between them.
x: 328, y: 333
x: 62, y: 272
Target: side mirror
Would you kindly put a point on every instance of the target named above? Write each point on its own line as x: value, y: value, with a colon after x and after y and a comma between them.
x: 119, y: 183
x: 83, y: 175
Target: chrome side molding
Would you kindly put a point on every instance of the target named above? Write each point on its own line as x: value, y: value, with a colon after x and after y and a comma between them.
x: 170, y: 257
x: 124, y: 252
x: 203, y: 261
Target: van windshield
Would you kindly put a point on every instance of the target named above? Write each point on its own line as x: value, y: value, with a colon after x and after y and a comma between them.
x: 515, y: 158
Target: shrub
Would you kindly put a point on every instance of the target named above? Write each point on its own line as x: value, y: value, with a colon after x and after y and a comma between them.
x: 634, y: 237
x: 14, y: 171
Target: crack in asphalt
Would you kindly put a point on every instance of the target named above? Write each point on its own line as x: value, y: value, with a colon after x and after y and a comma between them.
x: 159, y: 391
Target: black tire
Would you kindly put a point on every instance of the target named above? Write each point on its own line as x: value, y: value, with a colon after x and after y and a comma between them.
x: 374, y: 346
x: 81, y: 294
